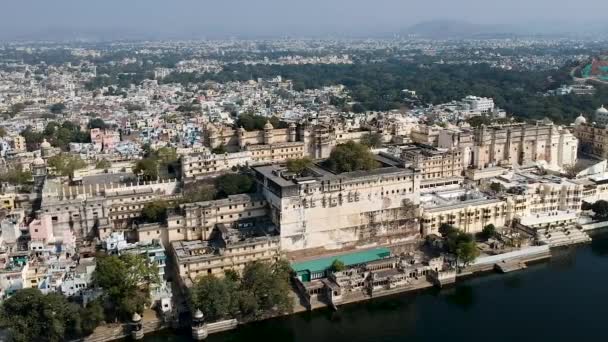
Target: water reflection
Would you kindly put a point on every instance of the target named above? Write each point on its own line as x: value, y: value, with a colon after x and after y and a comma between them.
x: 513, y: 282
x: 599, y: 247
x: 461, y: 296
x: 563, y: 258
x: 537, y: 304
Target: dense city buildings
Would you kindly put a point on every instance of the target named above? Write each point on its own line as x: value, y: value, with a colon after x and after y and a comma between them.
x: 159, y: 170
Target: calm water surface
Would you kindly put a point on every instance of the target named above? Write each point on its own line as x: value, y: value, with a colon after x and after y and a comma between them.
x: 565, y: 299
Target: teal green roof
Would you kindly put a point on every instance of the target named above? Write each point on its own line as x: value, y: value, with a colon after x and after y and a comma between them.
x: 322, y: 264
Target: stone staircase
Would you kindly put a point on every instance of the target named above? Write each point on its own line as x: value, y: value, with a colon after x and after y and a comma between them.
x: 563, y: 237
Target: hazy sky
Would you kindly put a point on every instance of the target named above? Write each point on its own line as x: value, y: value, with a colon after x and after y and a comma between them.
x: 278, y: 17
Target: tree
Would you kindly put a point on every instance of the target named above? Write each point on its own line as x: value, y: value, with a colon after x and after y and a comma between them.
x: 445, y: 229
x: 350, y: 156
x: 219, y: 150
x: 147, y: 169
x: 92, y: 316
x: 166, y: 155
x: 467, y: 251
x: 572, y: 171
x: 59, y: 135
x: 271, y: 290
x: 212, y: 296
x: 126, y: 282
x: 199, y: 192
x: 251, y: 122
x: 16, y: 176
x: 30, y: 315
x: 16, y: 109
x: 65, y: 164
x: 97, y: 123
x: 298, y: 165
x: 460, y: 243
x: 154, y: 211
x: 600, y: 208
x: 496, y: 187
x: 232, y: 184
x: 372, y: 140
x: 488, y: 231
x: 57, y: 108
x: 358, y: 108
x: 262, y: 289
x: 103, y: 164
x: 337, y: 266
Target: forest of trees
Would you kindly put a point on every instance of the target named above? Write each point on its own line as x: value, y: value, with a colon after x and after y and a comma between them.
x: 58, y: 134
x: 377, y: 86
x: 262, y: 289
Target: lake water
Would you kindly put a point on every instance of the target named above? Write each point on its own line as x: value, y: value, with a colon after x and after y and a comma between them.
x: 565, y: 299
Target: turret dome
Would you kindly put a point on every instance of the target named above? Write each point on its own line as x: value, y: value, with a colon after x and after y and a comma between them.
x: 38, y: 161
x: 45, y: 144
x: 602, y: 111
x: 136, y: 317
x: 268, y: 125
x: 198, y: 314
x: 580, y: 120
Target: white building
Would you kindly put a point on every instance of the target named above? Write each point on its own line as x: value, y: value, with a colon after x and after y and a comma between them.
x: 601, y: 116
x: 482, y: 104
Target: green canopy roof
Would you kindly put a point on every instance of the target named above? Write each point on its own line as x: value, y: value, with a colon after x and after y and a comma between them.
x: 322, y: 264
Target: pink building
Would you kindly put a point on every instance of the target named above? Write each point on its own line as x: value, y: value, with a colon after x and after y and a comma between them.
x: 42, y: 229
x: 104, y: 140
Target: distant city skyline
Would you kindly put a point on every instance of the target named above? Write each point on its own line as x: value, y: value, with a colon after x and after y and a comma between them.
x: 272, y: 18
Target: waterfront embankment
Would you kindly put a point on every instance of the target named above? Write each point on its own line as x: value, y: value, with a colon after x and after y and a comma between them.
x: 482, y: 265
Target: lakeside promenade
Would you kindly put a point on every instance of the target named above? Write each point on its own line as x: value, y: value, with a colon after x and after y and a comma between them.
x: 482, y: 265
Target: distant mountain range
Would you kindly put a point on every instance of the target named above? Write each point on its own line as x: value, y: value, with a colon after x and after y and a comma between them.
x: 455, y: 29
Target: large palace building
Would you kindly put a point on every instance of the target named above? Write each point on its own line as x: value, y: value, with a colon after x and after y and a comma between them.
x: 333, y: 211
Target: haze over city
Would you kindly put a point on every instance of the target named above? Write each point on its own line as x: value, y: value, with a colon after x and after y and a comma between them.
x: 274, y: 18
x: 297, y: 171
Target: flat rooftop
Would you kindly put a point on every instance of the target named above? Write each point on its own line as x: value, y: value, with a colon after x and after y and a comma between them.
x: 454, y: 199
x: 350, y: 259
x: 279, y: 175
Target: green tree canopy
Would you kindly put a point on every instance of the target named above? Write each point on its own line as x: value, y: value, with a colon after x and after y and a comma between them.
x: 467, y: 251
x: 97, y: 123
x: 600, y: 208
x: 59, y: 135
x: 147, y: 169
x: 16, y: 109
x: 30, y: 315
x: 212, y: 296
x: 166, y: 155
x: 125, y: 281
x: 351, y: 156
x: 271, y: 289
x: 232, y: 184
x: 16, y: 176
x: 489, y: 231
x: 103, y: 164
x: 445, y: 229
x: 460, y: 243
x: 251, y: 122
x: 337, y: 266
x: 496, y: 187
x: 155, y: 211
x: 198, y: 192
x: 298, y: 165
x: 219, y: 150
x: 57, y: 108
x: 373, y: 140
x: 65, y: 164
x: 262, y: 289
